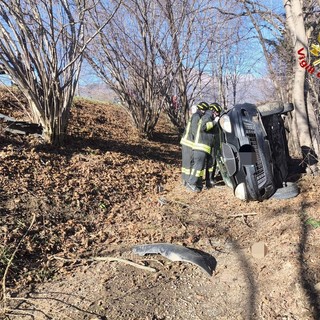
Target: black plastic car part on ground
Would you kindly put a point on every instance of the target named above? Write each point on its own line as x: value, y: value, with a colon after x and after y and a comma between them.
x: 20, y: 127
x: 253, y: 150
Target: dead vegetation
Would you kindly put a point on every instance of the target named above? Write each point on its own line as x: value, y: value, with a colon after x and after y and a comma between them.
x: 75, y: 190
x: 108, y: 190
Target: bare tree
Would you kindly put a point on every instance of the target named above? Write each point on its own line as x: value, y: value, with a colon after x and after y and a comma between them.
x: 41, y: 47
x: 311, y: 19
x: 186, y: 54
x: 243, y: 29
x: 232, y: 58
x: 258, y: 15
x: 304, y: 115
x: 154, y: 56
x: 303, y: 122
x: 203, y: 54
x: 126, y: 58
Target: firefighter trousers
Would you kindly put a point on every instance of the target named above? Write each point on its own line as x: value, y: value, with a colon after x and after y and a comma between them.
x: 187, y: 161
x: 198, y: 168
x: 204, y: 167
x: 210, y: 167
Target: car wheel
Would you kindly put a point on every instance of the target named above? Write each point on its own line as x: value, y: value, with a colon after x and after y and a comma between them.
x: 270, y: 108
x: 287, y: 107
x: 289, y: 190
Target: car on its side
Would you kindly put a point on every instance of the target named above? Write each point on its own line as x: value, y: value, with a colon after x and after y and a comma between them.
x: 253, y: 152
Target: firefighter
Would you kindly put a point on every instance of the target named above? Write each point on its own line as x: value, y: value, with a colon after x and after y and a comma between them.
x: 202, y: 149
x: 187, y: 141
x: 211, y: 162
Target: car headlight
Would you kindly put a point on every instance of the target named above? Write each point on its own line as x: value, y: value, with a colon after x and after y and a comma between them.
x: 241, y: 191
x: 225, y: 123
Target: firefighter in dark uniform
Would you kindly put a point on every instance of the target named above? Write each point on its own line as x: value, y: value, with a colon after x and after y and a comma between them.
x: 211, y: 162
x: 202, y: 149
x: 187, y: 141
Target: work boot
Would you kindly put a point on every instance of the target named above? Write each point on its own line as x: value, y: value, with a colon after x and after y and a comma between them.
x: 210, y: 183
x: 193, y: 187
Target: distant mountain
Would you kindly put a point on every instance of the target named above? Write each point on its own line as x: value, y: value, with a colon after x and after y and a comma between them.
x: 249, y: 89
x: 96, y: 91
x: 255, y: 90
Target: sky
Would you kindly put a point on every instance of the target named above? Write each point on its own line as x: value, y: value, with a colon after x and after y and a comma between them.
x: 254, y: 62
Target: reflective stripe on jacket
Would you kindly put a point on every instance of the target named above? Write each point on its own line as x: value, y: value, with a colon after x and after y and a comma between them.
x: 188, y: 135
x: 205, y: 134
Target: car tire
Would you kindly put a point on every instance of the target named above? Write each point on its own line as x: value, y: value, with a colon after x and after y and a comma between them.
x: 287, y: 107
x: 270, y: 108
x: 289, y: 190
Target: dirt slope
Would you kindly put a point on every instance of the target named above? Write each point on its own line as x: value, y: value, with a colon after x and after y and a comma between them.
x: 107, y: 191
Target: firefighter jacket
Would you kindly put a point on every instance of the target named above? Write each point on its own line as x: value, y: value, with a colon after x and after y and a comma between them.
x: 190, y: 130
x: 204, y: 137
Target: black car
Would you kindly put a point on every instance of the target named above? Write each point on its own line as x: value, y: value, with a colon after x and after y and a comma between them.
x: 253, y: 152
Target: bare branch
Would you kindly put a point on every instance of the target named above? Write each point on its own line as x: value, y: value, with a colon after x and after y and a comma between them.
x: 41, y: 47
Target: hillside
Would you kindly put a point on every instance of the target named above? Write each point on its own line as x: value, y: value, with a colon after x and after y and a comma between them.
x: 67, y: 211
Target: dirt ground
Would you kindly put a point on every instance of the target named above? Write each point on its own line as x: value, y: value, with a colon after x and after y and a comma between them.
x: 65, y: 213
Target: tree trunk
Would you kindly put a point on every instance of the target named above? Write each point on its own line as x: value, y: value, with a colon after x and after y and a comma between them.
x: 296, y: 26
x: 314, y: 131
x: 55, y: 119
x: 41, y: 47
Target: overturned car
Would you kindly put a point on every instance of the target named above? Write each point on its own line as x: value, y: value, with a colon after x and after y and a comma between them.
x: 253, y: 152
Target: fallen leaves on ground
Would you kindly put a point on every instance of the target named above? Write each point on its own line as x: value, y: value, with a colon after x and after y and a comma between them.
x: 77, y: 191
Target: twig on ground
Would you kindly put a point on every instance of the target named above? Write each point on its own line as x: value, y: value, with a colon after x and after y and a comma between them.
x: 109, y: 259
x: 164, y: 201
x: 180, y: 203
x: 184, y: 205
x: 244, y: 217
x: 241, y: 215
